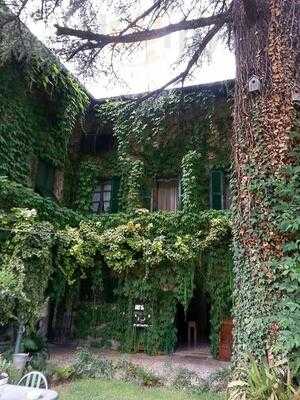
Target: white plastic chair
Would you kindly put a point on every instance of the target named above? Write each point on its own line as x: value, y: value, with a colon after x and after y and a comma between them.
x: 34, y: 379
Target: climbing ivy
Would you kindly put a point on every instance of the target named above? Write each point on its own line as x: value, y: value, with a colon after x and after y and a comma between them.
x: 219, y: 266
x: 167, y: 134
x: 25, y: 257
x: 40, y: 104
x: 287, y: 190
x: 133, y: 247
x: 266, y: 281
x: 90, y: 171
x: 194, y: 183
x: 280, y: 275
x: 141, y: 246
x: 14, y: 194
x: 173, y: 135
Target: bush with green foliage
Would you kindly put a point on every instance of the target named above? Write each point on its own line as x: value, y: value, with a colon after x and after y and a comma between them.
x: 263, y: 382
x: 187, y: 379
x: 60, y: 374
x: 218, y: 381
x: 89, y: 365
x: 6, y: 366
x: 134, y: 373
x: 135, y: 248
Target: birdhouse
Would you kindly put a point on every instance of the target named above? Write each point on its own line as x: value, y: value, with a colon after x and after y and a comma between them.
x: 296, y: 94
x: 254, y: 84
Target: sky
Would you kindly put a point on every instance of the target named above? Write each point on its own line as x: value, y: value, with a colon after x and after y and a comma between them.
x: 154, y: 65
x: 150, y: 76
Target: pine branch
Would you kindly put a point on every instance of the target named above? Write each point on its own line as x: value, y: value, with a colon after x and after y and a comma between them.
x: 103, y: 40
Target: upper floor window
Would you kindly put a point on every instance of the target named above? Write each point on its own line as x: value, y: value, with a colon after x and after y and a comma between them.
x: 45, y: 177
x: 96, y: 143
x: 217, y: 189
x: 101, y: 200
x: 165, y: 195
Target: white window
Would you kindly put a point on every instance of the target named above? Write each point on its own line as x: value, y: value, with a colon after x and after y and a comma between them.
x: 165, y: 195
x: 102, y: 197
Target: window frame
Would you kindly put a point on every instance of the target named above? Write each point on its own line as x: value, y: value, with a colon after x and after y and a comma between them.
x: 154, y: 193
x: 101, y: 202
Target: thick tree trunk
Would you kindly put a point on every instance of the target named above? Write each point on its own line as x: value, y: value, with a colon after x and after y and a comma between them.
x: 265, y: 46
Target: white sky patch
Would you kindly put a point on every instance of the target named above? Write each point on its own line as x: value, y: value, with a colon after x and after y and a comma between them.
x: 152, y: 66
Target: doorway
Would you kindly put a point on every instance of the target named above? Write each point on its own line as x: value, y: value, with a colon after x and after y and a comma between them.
x: 193, y: 326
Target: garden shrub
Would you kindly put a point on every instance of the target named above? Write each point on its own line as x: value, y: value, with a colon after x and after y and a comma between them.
x: 131, y: 372
x: 60, y: 374
x: 263, y: 382
x: 7, y: 367
x: 219, y: 380
x: 88, y: 365
x: 187, y: 379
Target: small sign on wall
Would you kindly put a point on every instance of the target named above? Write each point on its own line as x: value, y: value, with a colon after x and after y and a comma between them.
x: 141, y: 319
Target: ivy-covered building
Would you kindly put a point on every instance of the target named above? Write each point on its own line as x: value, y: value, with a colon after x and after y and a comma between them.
x: 169, y: 158
x: 156, y: 136
x: 40, y: 106
x: 136, y: 194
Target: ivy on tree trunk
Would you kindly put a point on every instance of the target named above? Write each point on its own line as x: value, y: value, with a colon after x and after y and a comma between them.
x: 262, y: 148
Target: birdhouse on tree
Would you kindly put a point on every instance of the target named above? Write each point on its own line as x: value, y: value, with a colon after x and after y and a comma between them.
x: 254, y: 84
x: 296, y: 94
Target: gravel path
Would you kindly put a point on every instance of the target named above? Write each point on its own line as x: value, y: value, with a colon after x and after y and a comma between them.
x: 199, y: 360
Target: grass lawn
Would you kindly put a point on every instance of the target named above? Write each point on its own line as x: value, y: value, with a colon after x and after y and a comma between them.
x: 98, y: 389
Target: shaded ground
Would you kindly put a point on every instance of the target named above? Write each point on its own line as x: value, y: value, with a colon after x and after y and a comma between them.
x: 197, y: 360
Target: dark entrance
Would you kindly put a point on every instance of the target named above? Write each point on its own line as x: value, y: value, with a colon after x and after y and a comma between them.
x: 193, y: 327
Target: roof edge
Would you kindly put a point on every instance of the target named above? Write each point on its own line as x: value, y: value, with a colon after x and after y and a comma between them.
x: 226, y: 84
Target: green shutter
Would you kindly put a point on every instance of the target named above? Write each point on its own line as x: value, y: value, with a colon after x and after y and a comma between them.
x: 45, y: 179
x: 216, y: 189
x: 146, y: 197
x: 114, y: 200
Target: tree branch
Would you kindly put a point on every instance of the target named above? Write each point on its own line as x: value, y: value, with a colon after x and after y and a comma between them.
x: 82, y: 47
x: 104, y: 40
x: 183, y: 75
x: 142, y: 16
x: 13, y: 17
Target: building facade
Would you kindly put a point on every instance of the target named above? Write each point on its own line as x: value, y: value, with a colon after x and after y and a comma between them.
x: 151, y: 174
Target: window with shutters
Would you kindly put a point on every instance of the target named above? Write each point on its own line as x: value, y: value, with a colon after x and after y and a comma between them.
x: 165, y: 195
x: 114, y: 202
x: 101, y: 200
x: 45, y: 176
x: 217, y: 189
